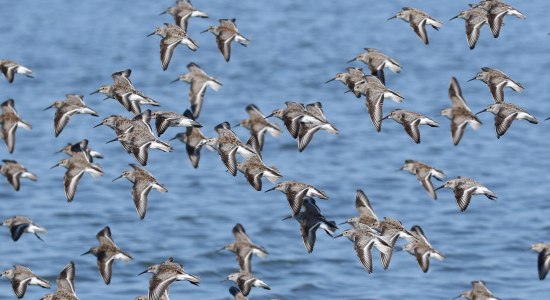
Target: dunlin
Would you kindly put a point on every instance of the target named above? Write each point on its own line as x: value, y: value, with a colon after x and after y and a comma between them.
x: 363, y: 240
x: 21, y: 224
x: 296, y: 192
x: 172, y: 36
x: 228, y: 147
x: 165, y: 274
x: 410, y: 121
x: 311, y: 122
x: 422, y: 249
x: 543, y: 262
x: 76, y: 167
x: 475, y: 18
x: 390, y: 231
x: 505, y: 114
x: 9, y: 68
x: 199, y: 81
x: 191, y: 137
x: 418, y: 21
x: 81, y: 148
x: 165, y: 119
x: 14, y: 171
x: 254, y: 169
x: 245, y: 281
x: 497, y: 10
x: 226, y: 33
x: 237, y: 294
x: 244, y: 248
x: 479, y: 291
x: 464, y: 188
x: 21, y: 277
x: 107, y: 252
x: 65, y: 285
x: 459, y: 114
x: 496, y: 80
x: 120, y: 125
x: 258, y: 125
x: 376, y: 60
x: 182, y: 11
x: 350, y: 78
x: 10, y: 121
x: 367, y: 217
x: 143, y: 183
x: 291, y: 116
x: 74, y: 104
x: 424, y: 174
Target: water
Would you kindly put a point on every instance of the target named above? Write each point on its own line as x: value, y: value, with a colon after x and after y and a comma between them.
x: 73, y: 47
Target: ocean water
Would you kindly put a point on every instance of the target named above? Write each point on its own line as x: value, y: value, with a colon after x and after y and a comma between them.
x: 74, y: 46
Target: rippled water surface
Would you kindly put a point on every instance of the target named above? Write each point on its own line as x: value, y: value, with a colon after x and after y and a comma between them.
x: 74, y: 46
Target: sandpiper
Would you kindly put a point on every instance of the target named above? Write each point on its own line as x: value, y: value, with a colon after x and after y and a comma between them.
x: 225, y: 33
x: 424, y: 174
x: 254, y: 169
x: 291, y: 116
x: 310, y: 220
x: 191, y: 137
x: 143, y: 183
x: 228, y: 147
x: 418, y: 21
x: 107, y: 252
x: 543, y: 262
x: 479, y: 291
x: 236, y: 293
x: 9, y: 68
x: 496, y: 80
x: 296, y: 192
x: 311, y: 122
x: 459, y: 114
x: 497, y: 10
x: 367, y: 217
x: 464, y: 188
x: 81, y: 148
x: 182, y: 11
x: 21, y: 224
x: 475, y: 18
x: 505, y: 114
x: 422, y: 249
x: 390, y: 231
x: 65, y: 285
x: 10, y: 121
x: 172, y: 35
x: 199, y: 80
x: 76, y: 167
x: 165, y: 119
x: 244, y: 248
x: 247, y: 280
x: 120, y: 125
x: 164, y: 296
x: 20, y: 277
x: 376, y: 60
x: 258, y: 125
x: 410, y: 121
x: 74, y: 104
x: 350, y: 78
x: 165, y: 274
x: 14, y: 171
x: 363, y: 240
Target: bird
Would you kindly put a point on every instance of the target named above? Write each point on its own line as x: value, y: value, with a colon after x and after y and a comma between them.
x: 143, y: 182
x: 391, y: 230
x: 10, y: 121
x: 228, y: 147
x: 496, y: 80
x: 474, y: 18
x: 182, y: 11
x: 296, y: 192
x: 120, y: 125
x: 107, y: 252
x: 424, y: 174
x: 459, y: 114
x: 363, y: 240
x: 464, y: 188
x: 349, y: 79
x: 291, y: 116
x: 377, y: 61
x: 479, y: 291
x: 81, y: 148
x: 65, y: 285
x: 9, y: 68
x: 165, y: 119
x: 316, y: 121
x: 172, y: 35
x: 418, y: 21
x: 21, y: 224
x: 74, y: 104
x: 543, y: 262
x: 199, y: 81
x: 237, y: 294
x: 21, y: 277
x: 191, y: 138
x: 226, y: 33
x: 410, y: 121
x: 246, y: 281
x: 496, y: 11
x: 244, y: 248
x: 258, y: 125
x: 505, y: 114
x: 254, y: 169
x: 165, y: 274
x: 14, y: 171
x: 367, y: 217
x: 76, y: 167
x: 422, y: 249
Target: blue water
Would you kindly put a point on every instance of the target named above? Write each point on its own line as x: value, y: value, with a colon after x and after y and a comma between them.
x: 296, y: 46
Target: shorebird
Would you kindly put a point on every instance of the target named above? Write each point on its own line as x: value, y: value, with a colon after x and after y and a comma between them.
x: 497, y: 10
x: 228, y: 147
x: 236, y: 293
x: 165, y: 274
x: 199, y: 81
x: 311, y: 122
x: 474, y: 18
x: 496, y: 80
x: 182, y: 11
x: 74, y: 104
x: 10, y: 121
x: 107, y: 252
x: 21, y: 224
x: 363, y: 240
x: 258, y: 125
x: 65, y: 285
x: 172, y: 35
x: 14, y: 171
x: 244, y: 248
x: 226, y: 33
x: 76, y: 167
x: 9, y: 68
x: 21, y: 277
x: 410, y: 121
x: 164, y: 296
x: 120, y: 125
x: 165, y: 119
x: 191, y: 138
x: 367, y: 217
x: 296, y: 192
x: 422, y: 249
x: 424, y: 174
x: 390, y: 231
x: 246, y: 280
x: 418, y: 21
x: 464, y: 188
x: 143, y: 183
x: 291, y: 116
x: 459, y: 114
x: 349, y: 79
x: 505, y: 114
x: 310, y: 220
x: 81, y: 148
x: 543, y: 262
x: 254, y: 169
x: 377, y: 61
x: 479, y: 291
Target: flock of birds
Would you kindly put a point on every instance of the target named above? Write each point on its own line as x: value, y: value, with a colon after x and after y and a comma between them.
x: 302, y: 121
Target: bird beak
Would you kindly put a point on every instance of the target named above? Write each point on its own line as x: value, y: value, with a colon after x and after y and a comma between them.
x: 440, y: 187
x: 345, y: 222
x: 48, y: 107
x: 115, y: 139
x: 151, y: 34
x: 117, y: 178
x: 386, y: 117
x: 271, y: 115
x: 94, y: 92
x: 547, y: 119
x: 271, y: 189
x: 98, y: 125
x: 453, y: 18
x: 337, y: 236
x: 205, y: 30
x: 286, y: 218
x: 88, y: 252
x: 54, y: 166
x: 237, y: 125
x: 354, y: 59
x: 392, y: 17
x: 173, y: 81
x: 142, y: 272
x: 481, y: 112
x: 330, y: 80
x: 162, y: 13
x: 472, y: 79
x: 221, y: 249
x: 59, y: 151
